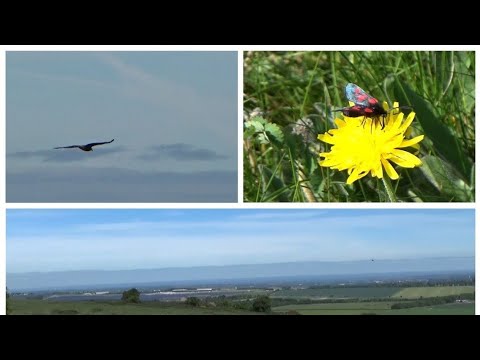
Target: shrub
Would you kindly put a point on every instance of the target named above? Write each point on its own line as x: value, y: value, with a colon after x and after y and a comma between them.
x: 193, y: 301
x: 131, y: 296
x: 262, y: 304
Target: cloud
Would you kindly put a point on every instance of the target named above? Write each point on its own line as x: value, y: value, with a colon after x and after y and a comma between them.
x: 176, y: 97
x: 65, y: 155
x: 138, y: 83
x: 65, y: 78
x: 182, y: 152
x: 284, y: 215
x: 89, y: 184
x: 128, y: 71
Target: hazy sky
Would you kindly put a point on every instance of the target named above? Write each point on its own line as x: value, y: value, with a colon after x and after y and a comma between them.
x: 173, y: 116
x: 58, y: 240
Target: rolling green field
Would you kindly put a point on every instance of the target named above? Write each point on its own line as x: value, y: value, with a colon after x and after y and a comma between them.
x: 347, y: 292
x: 417, y: 292
x: 427, y: 300
x: 379, y: 308
x: 43, y: 307
x: 374, y: 292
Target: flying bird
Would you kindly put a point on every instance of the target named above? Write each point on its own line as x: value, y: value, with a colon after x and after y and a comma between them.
x: 87, y: 147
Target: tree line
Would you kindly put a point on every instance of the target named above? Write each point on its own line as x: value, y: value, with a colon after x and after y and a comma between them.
x: 401, y: 284
x: 261, y: 303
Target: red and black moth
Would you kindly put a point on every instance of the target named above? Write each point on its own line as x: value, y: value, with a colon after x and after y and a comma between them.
x: 365, y: 104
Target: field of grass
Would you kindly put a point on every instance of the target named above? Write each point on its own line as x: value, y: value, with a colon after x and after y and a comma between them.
x: 447, y: 309
x: 290, y: 97
x: 379, y: 308
x: 43, y: 307
x: 374, y: 292
x: 347, y: 292
x: 355, y: 308
x: 417, y: 292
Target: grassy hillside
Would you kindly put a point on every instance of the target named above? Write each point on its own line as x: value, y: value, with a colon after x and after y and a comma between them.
x: 374, y: 292
x: 358, y: 300
x: 43, y: 307
x: 338, y: 292
x: 336, y: 308
x: 416, y: 292
x: 379, y: 308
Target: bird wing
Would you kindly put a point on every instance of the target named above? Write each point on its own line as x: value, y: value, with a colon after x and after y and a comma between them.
x: 68, y: 147
x: 99, y: 143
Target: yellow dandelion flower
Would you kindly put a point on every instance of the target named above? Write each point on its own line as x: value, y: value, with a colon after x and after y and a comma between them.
x: 361, y: 146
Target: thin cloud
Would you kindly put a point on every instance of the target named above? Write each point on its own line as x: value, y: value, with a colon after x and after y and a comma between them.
x: 284, y: 215
x: 128, y: 71
x: 182, y: 152
x: 138, y: 83
x: 64, y: 78
x: 139, y: 238
x: 64, y: 155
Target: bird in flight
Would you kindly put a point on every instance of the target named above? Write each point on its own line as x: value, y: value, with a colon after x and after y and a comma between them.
x: 87, y: 147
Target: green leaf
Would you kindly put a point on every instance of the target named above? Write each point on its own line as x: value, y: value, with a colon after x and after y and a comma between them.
x: 445, y: 179
x: 249, y: 132
x: 266, y: 132
x: 263, y: 138
x: 255, y: 125
x: 274, y: 133
x: 444, y: 141
x: 259, y: 119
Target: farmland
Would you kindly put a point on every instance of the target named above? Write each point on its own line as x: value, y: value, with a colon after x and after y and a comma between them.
x: 416, y: 292
x: 448, y: 296
x: 43, y: 307
x: 414, y: 300
x: 315, y: 300
x: 373, y: 292
x: 378, y: 308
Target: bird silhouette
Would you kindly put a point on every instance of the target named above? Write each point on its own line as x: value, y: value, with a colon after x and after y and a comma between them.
x: 87, y: 147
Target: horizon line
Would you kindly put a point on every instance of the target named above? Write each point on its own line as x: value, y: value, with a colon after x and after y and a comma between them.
x: 243, y: 264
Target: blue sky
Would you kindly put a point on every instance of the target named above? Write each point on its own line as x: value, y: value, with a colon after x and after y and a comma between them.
x: 173, y: 116
x: 61, y: 240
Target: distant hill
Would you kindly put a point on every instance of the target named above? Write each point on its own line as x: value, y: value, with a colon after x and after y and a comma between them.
x: 92, y: 278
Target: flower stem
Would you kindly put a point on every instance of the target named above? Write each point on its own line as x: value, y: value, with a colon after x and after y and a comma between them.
x: 388, y: 188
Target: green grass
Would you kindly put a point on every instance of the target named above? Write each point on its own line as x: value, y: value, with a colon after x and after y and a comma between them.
x: 44, y: 307
x: 354, y: 308
x: 374, y: 292
x: 417, y: 292
x: 447, y: 309
x: 282, y: 87
x: 347, y: 292
x: 380, y: 308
